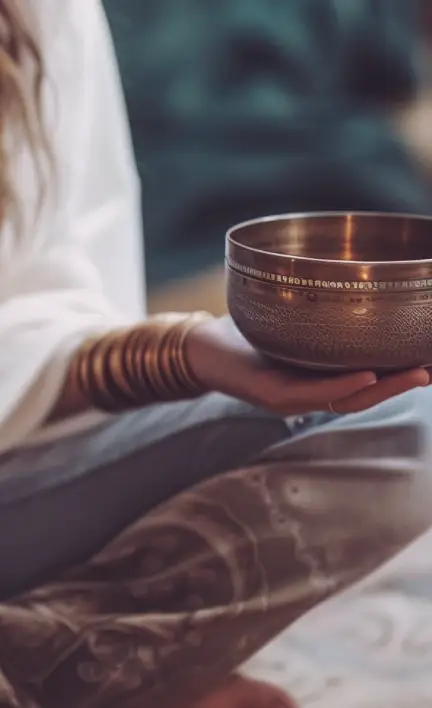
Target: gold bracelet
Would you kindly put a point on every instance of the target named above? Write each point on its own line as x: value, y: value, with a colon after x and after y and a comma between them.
x: 134, y: 367
x: 183, y: 369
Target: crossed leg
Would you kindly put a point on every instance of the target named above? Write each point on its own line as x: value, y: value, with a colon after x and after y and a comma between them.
x: 169, y: 610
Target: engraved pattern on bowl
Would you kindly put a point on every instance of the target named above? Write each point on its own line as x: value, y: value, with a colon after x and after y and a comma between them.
x: 336, y: 313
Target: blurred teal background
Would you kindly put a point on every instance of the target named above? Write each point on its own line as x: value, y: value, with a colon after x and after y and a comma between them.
x: 241, y: 108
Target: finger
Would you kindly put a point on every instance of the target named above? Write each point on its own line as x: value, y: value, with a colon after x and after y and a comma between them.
x: 385, y: 388
x: 322, y: 390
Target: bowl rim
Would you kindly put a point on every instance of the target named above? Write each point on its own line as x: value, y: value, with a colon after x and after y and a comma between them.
x: 323, y: 214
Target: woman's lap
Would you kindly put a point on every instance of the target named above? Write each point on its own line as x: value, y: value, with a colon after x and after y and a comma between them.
x: 60, y: 503
x: 192, y: 589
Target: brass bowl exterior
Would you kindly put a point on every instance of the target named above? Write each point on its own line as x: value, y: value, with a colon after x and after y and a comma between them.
x: 338, y: 312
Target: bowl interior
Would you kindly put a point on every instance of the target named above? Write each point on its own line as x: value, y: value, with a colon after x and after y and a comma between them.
x: 340, y: 237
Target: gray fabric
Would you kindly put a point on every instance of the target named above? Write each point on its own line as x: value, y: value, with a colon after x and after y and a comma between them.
x: 60, y: 503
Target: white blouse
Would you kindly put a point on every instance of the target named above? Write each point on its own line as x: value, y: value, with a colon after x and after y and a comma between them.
x: 77, y: 268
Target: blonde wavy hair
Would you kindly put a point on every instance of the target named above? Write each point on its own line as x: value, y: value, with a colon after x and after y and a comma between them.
x: 21, y: 113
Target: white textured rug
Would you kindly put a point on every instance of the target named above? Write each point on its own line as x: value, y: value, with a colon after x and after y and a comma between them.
x: 369, y: 648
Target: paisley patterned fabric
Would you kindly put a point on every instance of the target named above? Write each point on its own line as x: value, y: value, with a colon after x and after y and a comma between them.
x: 191, y: 591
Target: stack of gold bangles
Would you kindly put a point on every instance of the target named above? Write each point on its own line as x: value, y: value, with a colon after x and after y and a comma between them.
x: 131, y: 368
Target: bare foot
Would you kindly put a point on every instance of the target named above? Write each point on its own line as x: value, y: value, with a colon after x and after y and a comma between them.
x: 241, y: 692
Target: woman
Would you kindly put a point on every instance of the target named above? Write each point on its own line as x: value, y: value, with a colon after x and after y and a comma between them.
x: 87, y: 456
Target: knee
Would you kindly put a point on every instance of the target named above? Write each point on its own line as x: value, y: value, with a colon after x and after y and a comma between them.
x: 346, y: 519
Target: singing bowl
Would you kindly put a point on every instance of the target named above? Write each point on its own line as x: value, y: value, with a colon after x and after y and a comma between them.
x: 334, y: 292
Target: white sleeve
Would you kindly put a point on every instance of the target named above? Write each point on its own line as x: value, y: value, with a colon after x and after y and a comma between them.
x: 109, y: 221
x: 55, y: 294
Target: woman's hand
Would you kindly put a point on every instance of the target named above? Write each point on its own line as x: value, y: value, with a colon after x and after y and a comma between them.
x: 223, y: 361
